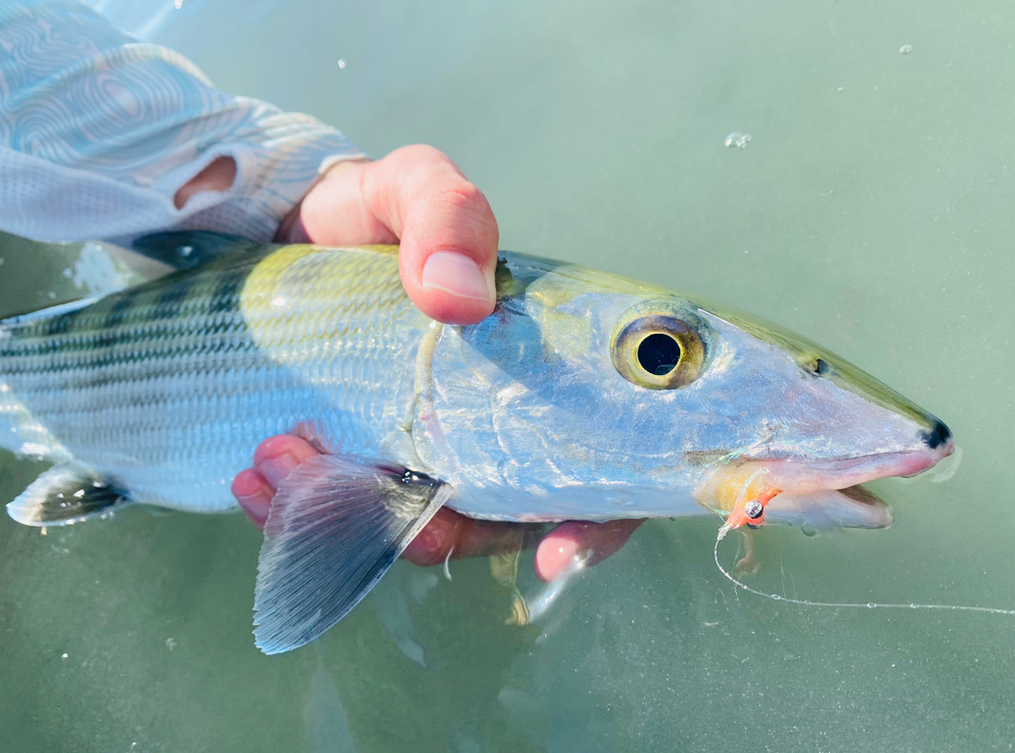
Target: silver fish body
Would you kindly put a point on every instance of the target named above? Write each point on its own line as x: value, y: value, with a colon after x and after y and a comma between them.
x: 584, y: 396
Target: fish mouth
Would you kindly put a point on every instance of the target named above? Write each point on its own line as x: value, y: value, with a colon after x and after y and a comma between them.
x: 820, y: 494
x: 804, y: 476
x: 829, y: 510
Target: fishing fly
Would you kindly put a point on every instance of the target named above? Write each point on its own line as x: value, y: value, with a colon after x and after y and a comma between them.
x: 750, y: 513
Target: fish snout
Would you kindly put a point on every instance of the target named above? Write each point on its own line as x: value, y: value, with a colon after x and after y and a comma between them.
x: 934, y: 442
x: 939, y: 436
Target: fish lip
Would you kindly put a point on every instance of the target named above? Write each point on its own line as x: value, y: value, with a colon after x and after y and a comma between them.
x: 802, y: 475
x: 852, y: 507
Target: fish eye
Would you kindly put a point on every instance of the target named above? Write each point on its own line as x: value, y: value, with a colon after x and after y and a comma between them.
x: 658, y: 351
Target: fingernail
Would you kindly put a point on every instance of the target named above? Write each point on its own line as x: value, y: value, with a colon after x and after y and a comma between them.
x: 459, y: 275
x: 277, y: 468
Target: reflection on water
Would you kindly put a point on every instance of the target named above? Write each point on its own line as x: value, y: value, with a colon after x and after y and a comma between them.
x: 871, y: 211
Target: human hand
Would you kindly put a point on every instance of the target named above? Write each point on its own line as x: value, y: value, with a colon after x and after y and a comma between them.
x: 418, y: 198
x: 448, y: 251
x: 448, y: 532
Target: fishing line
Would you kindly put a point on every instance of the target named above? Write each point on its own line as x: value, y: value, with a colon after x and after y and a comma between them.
x: 851, y: 605
x: 447, y: 569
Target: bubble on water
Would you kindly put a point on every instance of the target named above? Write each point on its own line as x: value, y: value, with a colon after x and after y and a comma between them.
x: 871, y: 605
x: 170, y: 644
x: 64, y: 656
x: 739, y: 140
x: 341, y: 63
x: 906, y: 49
x: 178, y: 4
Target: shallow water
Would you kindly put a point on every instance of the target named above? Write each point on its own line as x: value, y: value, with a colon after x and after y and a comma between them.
x: 871, y: 210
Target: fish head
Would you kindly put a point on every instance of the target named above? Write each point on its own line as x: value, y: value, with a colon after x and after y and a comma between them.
x: 819, y: 422
x: 597, y: 396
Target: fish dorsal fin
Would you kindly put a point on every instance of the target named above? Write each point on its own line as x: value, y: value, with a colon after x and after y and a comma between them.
x: 186, y: 249
x: 65, y: 494
x: 335, y: 527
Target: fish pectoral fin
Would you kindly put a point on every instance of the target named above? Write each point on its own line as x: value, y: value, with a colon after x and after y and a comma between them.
x: 335, y: 527
x: 66, y: 494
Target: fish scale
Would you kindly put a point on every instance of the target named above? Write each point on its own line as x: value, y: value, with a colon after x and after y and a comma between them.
x: 213, y: 362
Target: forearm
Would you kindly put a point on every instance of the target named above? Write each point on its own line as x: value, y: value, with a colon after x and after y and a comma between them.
x: 102, y: 136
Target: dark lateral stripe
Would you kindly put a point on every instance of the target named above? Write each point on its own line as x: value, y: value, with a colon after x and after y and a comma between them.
x: 226, y: 296
x: 171, y: 301
x: 121, y: 306
x: 61, y: 324
x: 180, y: 305
x: 92, y: 374
x: 128, y: 345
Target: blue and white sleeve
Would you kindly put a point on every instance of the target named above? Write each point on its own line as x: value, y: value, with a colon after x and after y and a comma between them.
x: 98, y: 131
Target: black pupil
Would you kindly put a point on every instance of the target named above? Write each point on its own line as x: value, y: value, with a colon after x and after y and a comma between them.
x: 659, y: 354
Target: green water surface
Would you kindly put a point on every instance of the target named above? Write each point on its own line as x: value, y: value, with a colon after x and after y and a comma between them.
x: 872, y: 210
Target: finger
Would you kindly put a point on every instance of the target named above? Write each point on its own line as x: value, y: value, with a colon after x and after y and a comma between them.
x: 452, y: 534
x: 437, y: 539
x: 254, y: 495
x: 277, y: 457
x: 447, y: 229
x: 599, y: 540
x: 274, y: 459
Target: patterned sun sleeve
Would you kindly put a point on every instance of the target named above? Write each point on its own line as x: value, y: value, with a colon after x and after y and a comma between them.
x: 99, y: 130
